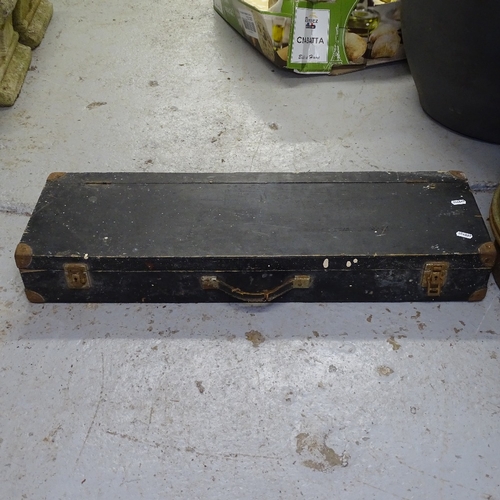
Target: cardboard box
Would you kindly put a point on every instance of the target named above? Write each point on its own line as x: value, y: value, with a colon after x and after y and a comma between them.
x: 331, y: 37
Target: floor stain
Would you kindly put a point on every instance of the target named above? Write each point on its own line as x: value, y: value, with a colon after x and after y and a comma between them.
x: 369, y: 319
x: 200, y: 386
x: 493, y: 355
x: 395, y: 345
x: 168, y: 332
x: 318, y: 456
x: 385, y: 371
x: 52, y: 435
x: 133, y: 439
x: 255, y: 337
x: 93, y: 105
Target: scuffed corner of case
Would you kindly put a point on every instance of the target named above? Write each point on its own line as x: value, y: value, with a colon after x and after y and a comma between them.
x: 34, y: 297
x: 23, y: 255
x: 54, y: 176
x: 488, y: 254
x: 478, y: 295
x: 458, y: 174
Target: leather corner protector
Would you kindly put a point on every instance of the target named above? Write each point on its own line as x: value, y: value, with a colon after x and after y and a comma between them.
x: 23, y: 255
x: 458, y: 174
x: 488, y: 254
x: 478, y: 295
x: 34, y: 297
x: 54, y: 176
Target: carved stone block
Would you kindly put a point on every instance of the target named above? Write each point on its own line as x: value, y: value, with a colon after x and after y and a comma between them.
x: 30, y: 19
x: 15, y: 58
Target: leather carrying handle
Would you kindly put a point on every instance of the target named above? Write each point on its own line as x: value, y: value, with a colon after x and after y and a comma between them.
x: 214, y: 283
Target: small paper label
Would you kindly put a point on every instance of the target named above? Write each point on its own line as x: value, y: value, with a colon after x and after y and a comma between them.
x: 464, y: 235
x: 248, y: 23
x: 310, y: 36
x: 458, y: 202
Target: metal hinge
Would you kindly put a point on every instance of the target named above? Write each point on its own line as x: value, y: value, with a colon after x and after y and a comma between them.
x: 434, y: 277
x: 77, y: 276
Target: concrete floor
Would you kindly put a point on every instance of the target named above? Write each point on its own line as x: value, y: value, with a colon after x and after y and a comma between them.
x: 314, y: 401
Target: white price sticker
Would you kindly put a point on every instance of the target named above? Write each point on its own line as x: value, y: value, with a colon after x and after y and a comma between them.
x: 467, y: 236
x: 458, y: 202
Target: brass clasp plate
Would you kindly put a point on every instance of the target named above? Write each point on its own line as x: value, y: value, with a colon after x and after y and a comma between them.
x: 77, y: 276
x: 434, y: 277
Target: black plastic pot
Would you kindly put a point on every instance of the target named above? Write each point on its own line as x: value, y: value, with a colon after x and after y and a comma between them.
x: 495, y: 228
x: 453, y: 51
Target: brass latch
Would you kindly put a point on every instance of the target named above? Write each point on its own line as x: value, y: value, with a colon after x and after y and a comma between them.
x: 77, y: 276
x: 434, y: 277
